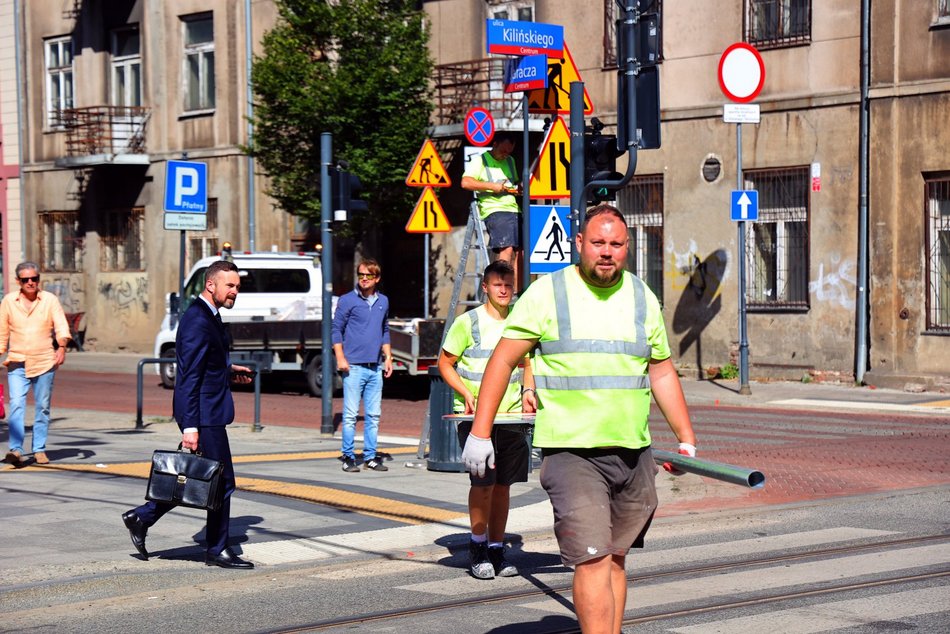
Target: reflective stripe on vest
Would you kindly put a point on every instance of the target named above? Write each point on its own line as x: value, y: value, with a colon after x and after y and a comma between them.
x: 567, y: 344
x: 475, y: 351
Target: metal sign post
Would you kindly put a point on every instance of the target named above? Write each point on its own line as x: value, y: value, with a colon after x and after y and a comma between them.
x: 741, y: 76
x: 326, y: 241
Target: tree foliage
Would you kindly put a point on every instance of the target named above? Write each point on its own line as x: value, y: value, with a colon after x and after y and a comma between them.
x: 358, y: 69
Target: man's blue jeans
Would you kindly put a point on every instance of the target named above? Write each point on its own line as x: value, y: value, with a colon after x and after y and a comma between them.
x: 363, y: 382
x: 19, y: 386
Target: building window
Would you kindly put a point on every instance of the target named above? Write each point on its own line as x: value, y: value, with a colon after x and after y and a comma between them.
x: 61, y: 243
x: 59, y: 79
x: 943, y: 9
x: 937, y: 201
x: 642, y: 205
x: 202, y: 244
x: 199, y: 62
x: 612, y: 13
x: 774, y: 23
x: 776, y: 257
x: 520, y: 10
x: 126, y: 67
x: 122, y: 240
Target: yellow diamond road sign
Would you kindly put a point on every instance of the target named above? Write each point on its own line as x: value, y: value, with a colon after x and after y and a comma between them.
x: 552, y: 173
x: 428, y: 170
x: 428, y: 216
x: 556, y: 98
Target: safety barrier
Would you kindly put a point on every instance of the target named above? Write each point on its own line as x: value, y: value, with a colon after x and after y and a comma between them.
x: 140, y: 381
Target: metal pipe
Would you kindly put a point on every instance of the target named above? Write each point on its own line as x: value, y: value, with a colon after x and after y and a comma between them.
x: 752, y: 478
x: 326, y: 263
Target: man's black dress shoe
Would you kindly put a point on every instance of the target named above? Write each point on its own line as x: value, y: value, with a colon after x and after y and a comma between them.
x: 137, y: 531
x: 227, y: 559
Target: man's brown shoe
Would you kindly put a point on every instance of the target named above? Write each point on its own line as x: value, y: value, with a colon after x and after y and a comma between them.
x: 13, y: 457
x: 40, y: 457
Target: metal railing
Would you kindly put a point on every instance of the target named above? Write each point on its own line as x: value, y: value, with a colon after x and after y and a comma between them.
x: 104, y: 129
x: 140, y: 382
x: 479, y: 82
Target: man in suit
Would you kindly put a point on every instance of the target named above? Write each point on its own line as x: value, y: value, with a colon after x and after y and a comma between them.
x: 203, y: 406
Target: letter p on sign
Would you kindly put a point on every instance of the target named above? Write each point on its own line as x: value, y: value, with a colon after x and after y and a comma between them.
x: 186, y: 183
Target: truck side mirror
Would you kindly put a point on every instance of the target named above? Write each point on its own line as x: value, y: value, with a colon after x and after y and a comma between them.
x: 173, y: 303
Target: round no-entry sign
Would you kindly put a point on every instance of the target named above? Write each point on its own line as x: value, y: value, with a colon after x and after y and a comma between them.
x: 741, y: 72
x: 479, y: 127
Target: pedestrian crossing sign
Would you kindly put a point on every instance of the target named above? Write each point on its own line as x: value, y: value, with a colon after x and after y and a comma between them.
x: 428, y: 216
x: 550, y: 238
x: 428, y: 170
x: 556, y: 98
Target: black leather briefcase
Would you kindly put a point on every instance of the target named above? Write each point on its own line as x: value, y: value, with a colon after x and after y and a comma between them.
x: 185, y: 479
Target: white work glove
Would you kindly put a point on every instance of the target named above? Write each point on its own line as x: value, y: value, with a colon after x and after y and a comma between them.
x: 477, y: 453
x: 685, y: 449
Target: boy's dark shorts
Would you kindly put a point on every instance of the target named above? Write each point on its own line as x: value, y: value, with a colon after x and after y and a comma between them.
x: 511, y: 454
x: 504, y: 230
x: 603, y: 500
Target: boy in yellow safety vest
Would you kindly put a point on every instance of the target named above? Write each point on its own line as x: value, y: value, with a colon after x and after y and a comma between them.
x: 465, y: 352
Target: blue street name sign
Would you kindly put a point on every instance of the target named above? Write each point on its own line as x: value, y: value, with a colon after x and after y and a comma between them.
x: 508, y: 37
x: 550, y: 239
x: 745, y: 204
x: 186, y: 187
x: 526, y: 73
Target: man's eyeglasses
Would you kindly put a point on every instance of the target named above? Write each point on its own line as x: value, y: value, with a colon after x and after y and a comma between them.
x: 366, y: 276
x: 24, y: 280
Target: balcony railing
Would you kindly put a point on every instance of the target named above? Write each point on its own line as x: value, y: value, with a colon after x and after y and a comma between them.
x: 464, y: 85
x: 104, y: 130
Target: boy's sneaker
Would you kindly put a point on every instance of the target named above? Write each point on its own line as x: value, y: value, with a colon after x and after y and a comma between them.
x: 480, y: 566
x: 376, y: 464
x: 349, y: 465
x: 496, y: 554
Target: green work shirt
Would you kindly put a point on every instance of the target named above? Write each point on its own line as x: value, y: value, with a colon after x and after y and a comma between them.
x: 485, y: 168
x: 592, y: 382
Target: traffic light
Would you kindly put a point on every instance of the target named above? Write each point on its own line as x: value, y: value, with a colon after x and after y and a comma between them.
x: 600, y: 162
x: 346, y: 193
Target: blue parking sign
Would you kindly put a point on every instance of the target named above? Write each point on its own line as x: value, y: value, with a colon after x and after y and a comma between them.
x: 186, y: 187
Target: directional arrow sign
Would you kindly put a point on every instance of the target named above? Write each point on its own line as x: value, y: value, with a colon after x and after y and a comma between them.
x: 745, y: 204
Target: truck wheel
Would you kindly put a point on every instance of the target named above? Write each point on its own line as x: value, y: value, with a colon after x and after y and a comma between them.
x: 315, y: 377
x: 168, y: 369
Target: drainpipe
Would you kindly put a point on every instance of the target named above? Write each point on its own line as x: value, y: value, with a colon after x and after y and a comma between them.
x: 251, y: 223
x: 20, y: 94
x: 862, y: 302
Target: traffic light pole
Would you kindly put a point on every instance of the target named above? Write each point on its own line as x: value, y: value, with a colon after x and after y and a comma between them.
x: 326, y: 265
x: 578, y: 191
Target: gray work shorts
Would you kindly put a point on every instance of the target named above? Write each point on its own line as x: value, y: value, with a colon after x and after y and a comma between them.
x: 603, y: 499
x: 504, y: 230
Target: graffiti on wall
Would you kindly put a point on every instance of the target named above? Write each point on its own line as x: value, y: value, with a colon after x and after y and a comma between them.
x: 125, y: 298
x: 837, y: 285
x: 688, y: 270
x: 70, y: 290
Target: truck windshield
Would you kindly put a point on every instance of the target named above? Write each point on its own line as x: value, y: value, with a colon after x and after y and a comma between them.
x: 254, y: 281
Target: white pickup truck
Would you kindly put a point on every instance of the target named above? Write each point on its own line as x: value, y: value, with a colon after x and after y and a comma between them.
x: 276, y: 319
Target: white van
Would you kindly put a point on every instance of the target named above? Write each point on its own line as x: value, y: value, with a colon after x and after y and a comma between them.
x: 276, y: 319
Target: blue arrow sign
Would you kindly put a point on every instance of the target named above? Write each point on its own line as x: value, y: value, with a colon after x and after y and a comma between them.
x: 745, y: 204
x: 526, y: 73
x: 509, y: 37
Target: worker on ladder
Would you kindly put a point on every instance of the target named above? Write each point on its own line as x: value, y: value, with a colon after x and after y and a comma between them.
x: 494, y: 180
